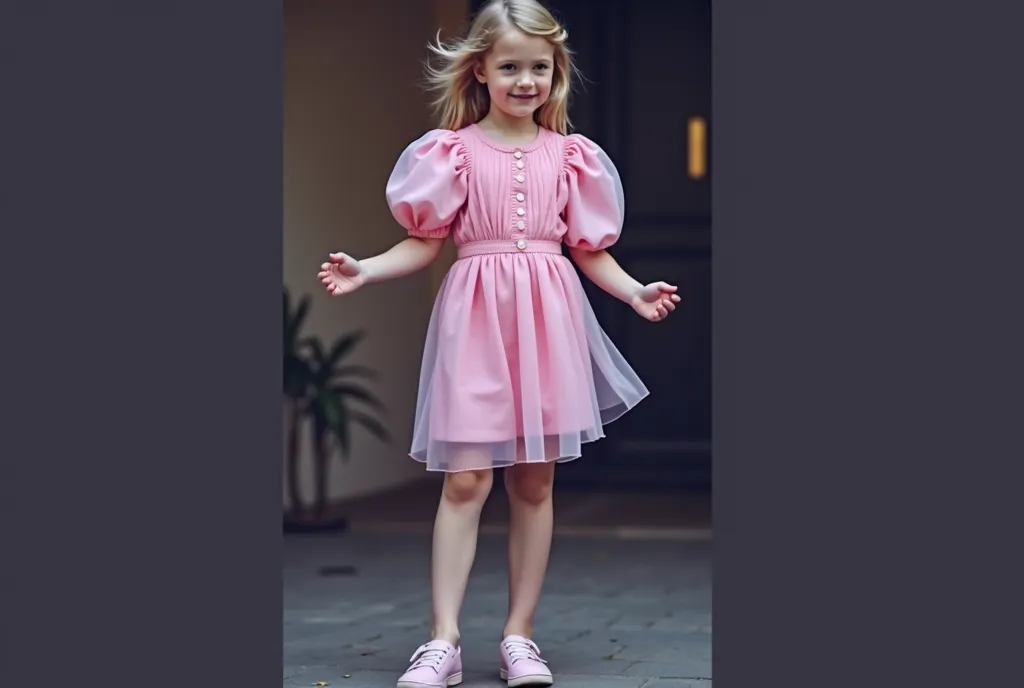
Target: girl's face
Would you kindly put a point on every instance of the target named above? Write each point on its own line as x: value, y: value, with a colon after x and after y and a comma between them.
x: 518, y: 71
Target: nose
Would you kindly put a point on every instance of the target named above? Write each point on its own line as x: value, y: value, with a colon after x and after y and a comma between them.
x: 524, y: 81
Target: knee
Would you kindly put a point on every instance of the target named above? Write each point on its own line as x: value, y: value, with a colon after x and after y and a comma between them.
x: 530, y: 483
x: 468, y: 487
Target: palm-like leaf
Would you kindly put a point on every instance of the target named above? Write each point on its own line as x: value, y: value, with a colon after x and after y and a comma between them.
x: 293, y: 321
x: 323, y: 387
x: 347, y: 371
x: 371, y: 424
x: 343, y: 346
x: 296, y: 367
x: 351, y: 391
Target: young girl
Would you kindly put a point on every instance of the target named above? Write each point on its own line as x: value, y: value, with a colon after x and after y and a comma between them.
x: 516, y: 372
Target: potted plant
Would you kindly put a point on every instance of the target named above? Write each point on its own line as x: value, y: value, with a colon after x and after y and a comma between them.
x: 322, y: 394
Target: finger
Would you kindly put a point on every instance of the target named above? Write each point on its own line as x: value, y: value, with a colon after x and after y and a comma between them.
x: 338, y: 258
x: 665, y: 288
x: 662, y: 312
x: 675, y: 297
x: 669, y: 306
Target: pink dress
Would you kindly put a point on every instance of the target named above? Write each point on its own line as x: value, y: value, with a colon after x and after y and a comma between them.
x: 515, y: 366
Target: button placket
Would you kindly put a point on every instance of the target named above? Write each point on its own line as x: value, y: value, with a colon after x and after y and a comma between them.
x: 519, y: 208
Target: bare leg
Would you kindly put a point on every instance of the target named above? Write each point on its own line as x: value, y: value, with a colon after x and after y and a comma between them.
x: 455, y: 535
x: 529, y: 488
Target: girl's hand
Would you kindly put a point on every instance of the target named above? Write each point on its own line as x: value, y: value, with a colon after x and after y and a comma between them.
x: 342, y: 275
x: 655, y: 301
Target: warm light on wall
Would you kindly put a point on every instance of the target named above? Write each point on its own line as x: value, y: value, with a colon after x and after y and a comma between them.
x: 697, y: 132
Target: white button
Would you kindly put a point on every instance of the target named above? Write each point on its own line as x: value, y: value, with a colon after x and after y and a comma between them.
x: 518, y: 154
x: 519, y: 164
x: 520, y: 178
x: 521, y: 244
x: 521, y: 225
x: 521, y: 211
x: 520, y: 197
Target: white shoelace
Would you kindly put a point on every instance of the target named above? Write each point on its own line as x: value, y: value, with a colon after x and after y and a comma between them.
x: 523, y: 649
x: 428, y: 656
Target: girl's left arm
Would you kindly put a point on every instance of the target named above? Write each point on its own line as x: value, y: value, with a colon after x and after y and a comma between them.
x: 605, y: 272
x: 653, y: 301
x: 594, y: 213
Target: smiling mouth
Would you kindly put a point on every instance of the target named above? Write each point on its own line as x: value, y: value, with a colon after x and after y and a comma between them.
x: 530, y: 96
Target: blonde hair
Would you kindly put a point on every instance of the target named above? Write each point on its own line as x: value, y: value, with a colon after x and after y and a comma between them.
x: 462, y: 100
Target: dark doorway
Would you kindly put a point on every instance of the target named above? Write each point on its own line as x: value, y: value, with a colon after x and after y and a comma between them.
x: 646, y: 98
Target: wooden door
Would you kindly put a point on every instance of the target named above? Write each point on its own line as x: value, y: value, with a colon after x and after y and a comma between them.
x: 647, y: 74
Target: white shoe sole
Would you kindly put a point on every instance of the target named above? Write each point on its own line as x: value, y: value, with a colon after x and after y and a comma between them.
x: 454, y: 680
x: 534, y: 680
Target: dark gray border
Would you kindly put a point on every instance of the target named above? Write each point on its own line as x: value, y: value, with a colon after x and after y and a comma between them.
x: 868, y: 345
x: 142, y: 271
x: 868, y: 286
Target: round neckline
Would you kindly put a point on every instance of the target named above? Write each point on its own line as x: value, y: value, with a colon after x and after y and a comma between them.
x: 526, y: 148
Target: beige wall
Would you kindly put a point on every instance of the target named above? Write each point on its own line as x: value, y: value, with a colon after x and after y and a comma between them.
x: 352, y: 101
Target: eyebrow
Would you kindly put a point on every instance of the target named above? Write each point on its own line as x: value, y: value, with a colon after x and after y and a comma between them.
x: 544, y: 60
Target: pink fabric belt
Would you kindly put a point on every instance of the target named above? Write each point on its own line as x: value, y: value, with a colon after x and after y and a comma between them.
x: 479, y: 248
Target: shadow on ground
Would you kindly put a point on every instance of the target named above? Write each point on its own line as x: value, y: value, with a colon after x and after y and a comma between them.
x: 631, y: 514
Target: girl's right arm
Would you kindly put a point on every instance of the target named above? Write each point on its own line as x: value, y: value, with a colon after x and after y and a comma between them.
x: 425, y: 192
x: 343, y: 274
x: 404, y: 258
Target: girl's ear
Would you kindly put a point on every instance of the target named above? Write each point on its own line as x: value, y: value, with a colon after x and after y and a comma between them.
x: 478, y: 71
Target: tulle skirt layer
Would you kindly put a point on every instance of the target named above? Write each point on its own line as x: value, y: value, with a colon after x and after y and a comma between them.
x: 516, y: 368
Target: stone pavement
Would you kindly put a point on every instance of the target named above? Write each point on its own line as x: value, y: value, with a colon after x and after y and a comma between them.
x: 616, y: 613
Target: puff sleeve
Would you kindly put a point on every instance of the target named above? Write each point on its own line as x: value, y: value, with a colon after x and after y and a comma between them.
x: 594, y: 203
x: 429, y: 184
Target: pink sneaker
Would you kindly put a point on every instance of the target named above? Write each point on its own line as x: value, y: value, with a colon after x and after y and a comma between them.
x: 521, y: 664
x: 436, y: 664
